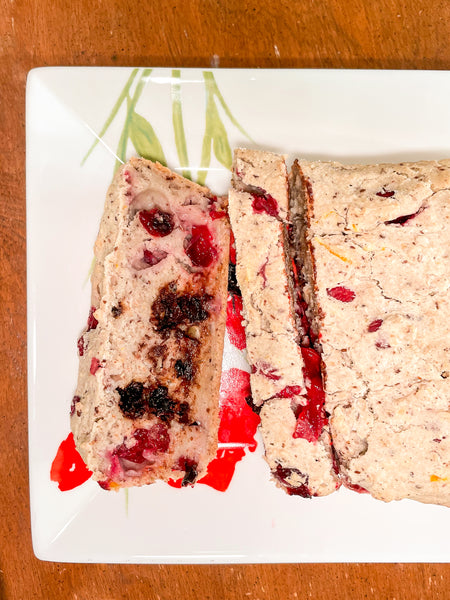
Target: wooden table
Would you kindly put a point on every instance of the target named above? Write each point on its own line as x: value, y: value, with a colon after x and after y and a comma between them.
x: 385, y: 34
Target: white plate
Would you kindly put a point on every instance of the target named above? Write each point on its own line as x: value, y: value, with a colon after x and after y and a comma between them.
x: 359, y: 116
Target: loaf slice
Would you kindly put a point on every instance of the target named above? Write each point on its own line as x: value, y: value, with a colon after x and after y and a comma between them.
x: 295, y: 436
x: 146, y: 405
x: 374, y: 245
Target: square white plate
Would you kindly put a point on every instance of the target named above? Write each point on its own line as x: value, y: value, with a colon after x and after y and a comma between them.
x: 353, y: 116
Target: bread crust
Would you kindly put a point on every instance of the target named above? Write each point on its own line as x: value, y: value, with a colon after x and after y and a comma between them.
x: 141, y: 284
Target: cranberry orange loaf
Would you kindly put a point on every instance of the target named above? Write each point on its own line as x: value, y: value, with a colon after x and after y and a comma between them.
x: 374, y: 242
x: 146, y: 404
x: 285, y: 378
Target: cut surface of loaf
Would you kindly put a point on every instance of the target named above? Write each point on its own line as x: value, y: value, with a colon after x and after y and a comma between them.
x: 295, y: 435
x: 147, y: 401
x: 374, y: 242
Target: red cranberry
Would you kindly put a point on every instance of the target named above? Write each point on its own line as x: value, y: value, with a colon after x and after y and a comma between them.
x: 265, y: 369
x: 153, y: 258
x: 75, y: 401
x: 154, y: 440
x: 290, y: 391
x: 200, y: 247
x: 341, y: 293
x: 92, y: 321
x: 265, y: 204
x: 282, y: 474
x: 404, y: 218
x: 157, y: 222
x: 385, y: 193
x: 375, y: 325
x: 80, y: 345
x: 95, y: 365
x: 382, y: 345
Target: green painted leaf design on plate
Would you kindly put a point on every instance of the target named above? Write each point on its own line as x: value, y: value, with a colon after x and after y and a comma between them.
x: 112, y: 114
x: 178, y: 124
x: 215, y: 132
x: 145, y: 140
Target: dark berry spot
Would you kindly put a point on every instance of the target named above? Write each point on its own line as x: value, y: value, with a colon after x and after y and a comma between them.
x: 282, y: 474
x: 233, y: 286
x: 92, y: 321
x: 265, y: 203
x: 153, y: 258
x: 263, y: 368
x: 95, y: 365
x: 255, y: 409
x: 157, y: 222
x: 290, y: 391
x: 160, y: 404
x: 75, y: 401
x: 132, y: 403
x: 170, y: 310
x: 105, y: 485
x: 200, y: 247
x: 341, y: 293
x: 116, y: 311
x: 184, y: 369
x: 183, y: 413
x: 385, y: 193
x: 189, y: 466
x: 375, y: 325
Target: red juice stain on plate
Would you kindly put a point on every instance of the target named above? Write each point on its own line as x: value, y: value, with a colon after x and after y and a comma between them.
x: 234, y: 326
x: 238, y: 424
x: 68, y: 469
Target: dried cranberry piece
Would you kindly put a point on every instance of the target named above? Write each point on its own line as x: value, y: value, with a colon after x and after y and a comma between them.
x: 200, y: 247
x: 265, y: 203
x: 341, y: 293
x: 153, y: 258
x: 355, y: 487
x: 154, y: 440
x: 289, y: 391
x: 92, y: 321
x: 160, y: 404
x: 382, y: 344
x: 75, y: 401
x: 80, y: 345
x: 267, y: 370
x: 311, y: 418
x: 132, y: 403
x: 157, y: 222
x: 95, y: 365
x: 375, y: 325
x: 283, y: 473
x: 385, y: 193
x: 404, y: 218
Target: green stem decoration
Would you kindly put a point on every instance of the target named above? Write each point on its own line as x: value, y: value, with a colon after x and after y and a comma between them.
x: 113, y: 113
x: 178, y: 125
x: 215, y: 135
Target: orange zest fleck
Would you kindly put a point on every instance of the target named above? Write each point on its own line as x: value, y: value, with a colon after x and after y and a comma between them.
x: 333, y: 252
x: 437, y: 478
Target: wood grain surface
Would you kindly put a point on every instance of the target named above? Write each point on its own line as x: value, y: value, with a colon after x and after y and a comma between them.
x: 343, y: 34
